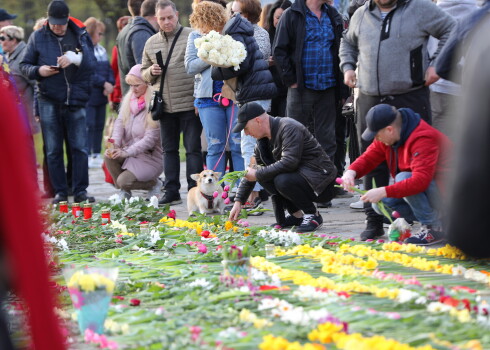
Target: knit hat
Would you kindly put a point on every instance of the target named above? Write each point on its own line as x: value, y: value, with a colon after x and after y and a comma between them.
x: 136, y: 71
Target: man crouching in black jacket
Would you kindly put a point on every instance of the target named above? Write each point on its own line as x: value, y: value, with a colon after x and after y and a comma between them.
x: 292, y: 167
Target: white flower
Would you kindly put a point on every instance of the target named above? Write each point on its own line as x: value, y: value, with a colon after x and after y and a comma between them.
x: 421, y: 300
x: 154, y: 236
x: 283, y: 238
x: 436, y: 307
x: 115, y: 199
x: 62, y: 244
x: 200, y: 282
x: 134, y: 199
x: 116, y: 224
x: 153, y: 202
x: 458, y: 270
x: 159, y: 311
x: 405, y: 295
x: 220, y: 50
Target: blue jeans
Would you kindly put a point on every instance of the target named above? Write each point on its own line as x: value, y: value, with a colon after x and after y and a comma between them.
x: 171, y: 125
x: 216, y: 122
x: 421, y: 207
x: 95, y: 127
x: 249, y: 142
x: 54, y: 118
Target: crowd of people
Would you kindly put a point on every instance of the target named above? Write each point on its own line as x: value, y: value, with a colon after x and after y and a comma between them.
x: 284, y: 123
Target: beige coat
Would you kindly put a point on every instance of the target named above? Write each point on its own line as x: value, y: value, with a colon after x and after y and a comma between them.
x: 178, y: 87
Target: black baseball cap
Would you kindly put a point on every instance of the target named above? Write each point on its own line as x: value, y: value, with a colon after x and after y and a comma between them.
x: 58, y: 12
x: 247, y: 112
x: 377, y: 118
x: 5, y: 16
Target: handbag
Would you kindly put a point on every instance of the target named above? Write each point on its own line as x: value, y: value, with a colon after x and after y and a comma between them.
x: 229, y: 89
x: 157, y: 105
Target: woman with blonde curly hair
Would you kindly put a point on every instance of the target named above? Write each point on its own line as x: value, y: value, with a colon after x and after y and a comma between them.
x: 136, y: 160
x: 217, y: 118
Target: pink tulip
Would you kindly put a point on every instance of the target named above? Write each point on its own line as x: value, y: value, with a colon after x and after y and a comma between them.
x: 202, y: 249
x: 395, y: 214
x: 215, y: 194
x: 227, y: 201
x: 339, y: 180
x: 224, y: 195
x: 226, y: 188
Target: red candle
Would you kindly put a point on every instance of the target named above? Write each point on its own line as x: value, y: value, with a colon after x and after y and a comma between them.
x: 87, y: 211
x: 76, y: 210
x: 106, y: 216
x: 63, y: 207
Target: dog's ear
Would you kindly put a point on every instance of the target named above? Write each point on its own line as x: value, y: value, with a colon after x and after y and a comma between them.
x: 195, y: 177
x: 217, y: 174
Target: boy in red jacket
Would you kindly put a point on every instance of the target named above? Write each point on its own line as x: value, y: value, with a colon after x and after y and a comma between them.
x: 418, y: 159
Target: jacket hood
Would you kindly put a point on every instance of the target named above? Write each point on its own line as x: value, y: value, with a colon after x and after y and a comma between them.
x: 457, y: 8
x: 410, y: 120
x: 141, y: 21
x: 239, y: 25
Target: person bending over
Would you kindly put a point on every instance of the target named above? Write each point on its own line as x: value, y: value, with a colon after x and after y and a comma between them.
x: 418, y: 158
x: 291, y: 166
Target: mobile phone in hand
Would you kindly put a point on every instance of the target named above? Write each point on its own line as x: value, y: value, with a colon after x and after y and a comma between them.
x: 57, y: 68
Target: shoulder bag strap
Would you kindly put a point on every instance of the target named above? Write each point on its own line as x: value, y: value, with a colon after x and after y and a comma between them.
x: 160, y: 59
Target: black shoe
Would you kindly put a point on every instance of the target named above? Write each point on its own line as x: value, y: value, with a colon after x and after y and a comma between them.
x: 310, y: 223
x: 324, y: 204
x: 170, y: 199
x: 341, y: 193
x: 46, y: 195
x: 83, y: 197
x: 264, y: 195
x: 288, y: 222
x: 373, y: 229
x: 60, y: 198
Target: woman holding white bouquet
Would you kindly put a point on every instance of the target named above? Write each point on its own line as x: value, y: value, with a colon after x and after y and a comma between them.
x: 254, y: 80
x: 217, y: 119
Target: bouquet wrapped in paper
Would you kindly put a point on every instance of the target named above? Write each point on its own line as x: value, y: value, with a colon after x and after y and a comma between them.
x: 220, y: 50
x: 91, y: 292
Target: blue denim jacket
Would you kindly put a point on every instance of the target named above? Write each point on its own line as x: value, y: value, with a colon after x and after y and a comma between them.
x: 203, y: 84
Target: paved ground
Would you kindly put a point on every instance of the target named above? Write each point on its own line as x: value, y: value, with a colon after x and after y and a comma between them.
x: 339, y: 219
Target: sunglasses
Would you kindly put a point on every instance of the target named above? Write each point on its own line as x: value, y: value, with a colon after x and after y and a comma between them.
x: 4, y: 38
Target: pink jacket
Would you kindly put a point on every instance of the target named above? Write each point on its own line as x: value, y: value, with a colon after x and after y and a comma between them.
x: 143, y: 146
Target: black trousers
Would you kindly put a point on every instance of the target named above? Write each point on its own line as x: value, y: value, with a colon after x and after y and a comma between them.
x: 171, y: 125
x: 296, y: 193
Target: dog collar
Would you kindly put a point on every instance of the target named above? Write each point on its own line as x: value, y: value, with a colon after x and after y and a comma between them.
x: 210, y: 200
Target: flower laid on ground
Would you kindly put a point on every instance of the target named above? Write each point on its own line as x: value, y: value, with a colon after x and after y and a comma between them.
x: 220, y: 50
x: 281, y: 238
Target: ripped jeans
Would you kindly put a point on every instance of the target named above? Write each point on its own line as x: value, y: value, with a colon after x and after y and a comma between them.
x: 216, y: 122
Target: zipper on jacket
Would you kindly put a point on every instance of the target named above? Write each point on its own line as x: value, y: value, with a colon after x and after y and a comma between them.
x: 67, y: 102
x: 384, y: 34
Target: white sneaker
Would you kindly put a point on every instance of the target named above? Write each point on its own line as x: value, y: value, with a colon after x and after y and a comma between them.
x: 357, y: 205
x: 95, y: 161
x: 155, y: 190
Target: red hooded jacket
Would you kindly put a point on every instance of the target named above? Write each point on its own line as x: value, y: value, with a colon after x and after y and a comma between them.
x: 425, y: 153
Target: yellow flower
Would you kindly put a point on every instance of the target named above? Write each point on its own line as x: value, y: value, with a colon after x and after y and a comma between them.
x: 228, y: 225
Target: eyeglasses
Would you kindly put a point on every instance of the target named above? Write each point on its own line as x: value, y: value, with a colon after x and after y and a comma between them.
x: 4, y: 38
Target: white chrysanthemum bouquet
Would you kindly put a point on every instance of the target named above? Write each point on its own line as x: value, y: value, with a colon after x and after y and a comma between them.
x: 220, y: 50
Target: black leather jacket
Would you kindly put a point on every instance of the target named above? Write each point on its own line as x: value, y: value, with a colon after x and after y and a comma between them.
x: 291, y: 148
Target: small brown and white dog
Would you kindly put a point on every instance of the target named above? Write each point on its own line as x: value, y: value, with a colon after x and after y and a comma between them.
x: 201, y: 198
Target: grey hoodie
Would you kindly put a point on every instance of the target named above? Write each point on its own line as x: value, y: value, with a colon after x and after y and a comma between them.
x: 456, y: 9
x: 392, y: 53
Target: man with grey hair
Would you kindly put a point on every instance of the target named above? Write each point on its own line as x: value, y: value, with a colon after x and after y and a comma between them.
x: 178, y: 90
x: 13, y: 45
x: 387, y: 42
